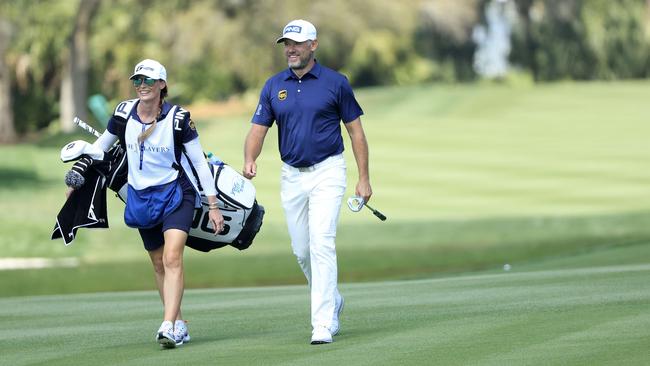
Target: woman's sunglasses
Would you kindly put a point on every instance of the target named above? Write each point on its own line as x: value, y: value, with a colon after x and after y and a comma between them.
x: 147, y: 81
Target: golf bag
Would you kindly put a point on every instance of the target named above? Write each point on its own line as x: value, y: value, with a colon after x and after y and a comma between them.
x: 235, y: 198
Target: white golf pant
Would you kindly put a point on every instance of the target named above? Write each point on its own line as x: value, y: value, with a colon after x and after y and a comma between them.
x: 311, y: 198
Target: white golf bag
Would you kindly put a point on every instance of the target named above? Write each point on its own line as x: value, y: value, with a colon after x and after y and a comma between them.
x: 235, y: 197
x: 241, y: 213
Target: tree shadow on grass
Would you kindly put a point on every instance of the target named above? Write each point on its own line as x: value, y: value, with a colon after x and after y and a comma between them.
x: 19, y: 178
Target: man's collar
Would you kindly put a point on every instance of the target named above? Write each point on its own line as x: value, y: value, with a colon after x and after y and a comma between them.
x: 315, y: 72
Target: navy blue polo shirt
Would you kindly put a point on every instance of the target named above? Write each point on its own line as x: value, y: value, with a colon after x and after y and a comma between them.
x: 308, y: 112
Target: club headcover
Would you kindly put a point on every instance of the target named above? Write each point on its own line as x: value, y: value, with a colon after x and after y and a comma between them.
x: 74, y: 150
x: 74, y: 179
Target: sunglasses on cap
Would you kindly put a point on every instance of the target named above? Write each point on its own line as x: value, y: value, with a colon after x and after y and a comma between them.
x: 147, y: 81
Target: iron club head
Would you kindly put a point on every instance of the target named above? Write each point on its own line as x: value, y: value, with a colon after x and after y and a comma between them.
x: 355, y: 203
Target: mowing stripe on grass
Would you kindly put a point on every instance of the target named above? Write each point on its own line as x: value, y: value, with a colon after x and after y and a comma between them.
x: 585, y: 316
x: 36, y: 263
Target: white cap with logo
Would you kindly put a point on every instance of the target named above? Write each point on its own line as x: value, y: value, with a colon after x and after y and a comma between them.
x: 299, y: 31
x: 150, y: 68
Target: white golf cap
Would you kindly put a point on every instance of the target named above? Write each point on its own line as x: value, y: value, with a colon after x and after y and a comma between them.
x: 150, y: 68
x: 299, y: 31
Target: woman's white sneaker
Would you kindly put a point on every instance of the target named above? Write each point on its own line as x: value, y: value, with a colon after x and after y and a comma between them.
x: 165, y: 336
x: 181, y: 333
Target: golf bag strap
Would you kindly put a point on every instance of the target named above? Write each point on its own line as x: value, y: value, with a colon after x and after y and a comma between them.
x: 123, y: 110
x: 180, y: 116
x: 121, y: 116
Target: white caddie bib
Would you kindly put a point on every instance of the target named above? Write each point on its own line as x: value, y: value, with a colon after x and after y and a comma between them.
x: 151, y: 163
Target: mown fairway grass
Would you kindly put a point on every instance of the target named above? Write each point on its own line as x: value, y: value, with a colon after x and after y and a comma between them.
x: 470, y: 177
x: 589, y: 309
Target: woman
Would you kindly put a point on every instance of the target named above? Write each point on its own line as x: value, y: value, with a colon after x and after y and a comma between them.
x: 159, y: 138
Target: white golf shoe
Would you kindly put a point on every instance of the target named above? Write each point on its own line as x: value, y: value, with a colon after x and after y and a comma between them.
x: 165, y: 336
x: 321, y: 335
x: 335, y: 327
x: 181, y: 333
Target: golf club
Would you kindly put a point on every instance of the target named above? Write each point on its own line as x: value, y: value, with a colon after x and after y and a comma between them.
x: 356, y: 204
x: 376, y: 213
x: 77, y: 121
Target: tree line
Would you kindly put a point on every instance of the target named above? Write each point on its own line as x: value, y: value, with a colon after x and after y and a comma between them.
x: 54, y: 54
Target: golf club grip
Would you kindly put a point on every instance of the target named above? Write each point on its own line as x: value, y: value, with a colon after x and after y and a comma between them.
x: 77, y: 121
x: 377, y: 213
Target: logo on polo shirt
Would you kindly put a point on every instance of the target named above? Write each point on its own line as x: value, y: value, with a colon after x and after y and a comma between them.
x: 292, y: 29
x: 282, y: 95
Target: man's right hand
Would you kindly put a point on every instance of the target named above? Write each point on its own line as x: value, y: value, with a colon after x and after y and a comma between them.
x: 250, y: 170
x: 252, y: 149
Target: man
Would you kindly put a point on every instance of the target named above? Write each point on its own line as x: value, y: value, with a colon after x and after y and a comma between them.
x: 308, y: 102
